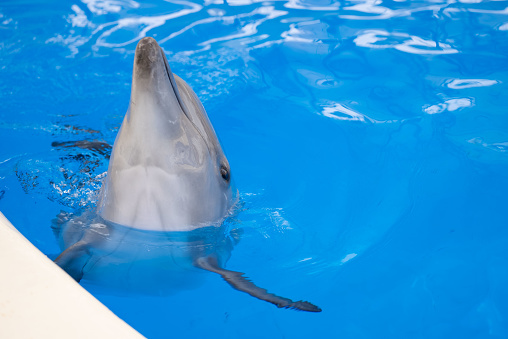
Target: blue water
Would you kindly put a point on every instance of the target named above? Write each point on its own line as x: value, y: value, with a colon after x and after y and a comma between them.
x: 368, y: 140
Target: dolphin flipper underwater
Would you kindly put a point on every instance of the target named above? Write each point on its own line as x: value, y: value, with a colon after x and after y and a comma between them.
x: 166, y: 194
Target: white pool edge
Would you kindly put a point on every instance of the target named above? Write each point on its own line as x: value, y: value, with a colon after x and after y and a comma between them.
x: 39, y: 300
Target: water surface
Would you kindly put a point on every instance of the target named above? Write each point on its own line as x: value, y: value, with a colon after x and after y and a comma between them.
x: 368, y: 140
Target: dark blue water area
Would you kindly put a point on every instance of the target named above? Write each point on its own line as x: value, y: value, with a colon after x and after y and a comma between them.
x: 368, y: 141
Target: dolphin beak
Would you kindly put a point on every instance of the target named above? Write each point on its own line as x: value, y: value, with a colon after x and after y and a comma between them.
x: 152, y: 69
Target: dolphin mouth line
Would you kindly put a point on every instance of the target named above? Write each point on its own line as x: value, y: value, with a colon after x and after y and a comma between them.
x: 172, y: 81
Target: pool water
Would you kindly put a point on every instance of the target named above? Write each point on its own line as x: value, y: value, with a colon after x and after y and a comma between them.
x: 368, y: 141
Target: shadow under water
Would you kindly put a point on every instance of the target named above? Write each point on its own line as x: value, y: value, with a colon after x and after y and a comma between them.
x: 124, y: 259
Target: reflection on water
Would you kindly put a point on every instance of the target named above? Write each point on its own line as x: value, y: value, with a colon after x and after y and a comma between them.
x: 402, y: 42
x: 469, y: 83
x: 368, y: 140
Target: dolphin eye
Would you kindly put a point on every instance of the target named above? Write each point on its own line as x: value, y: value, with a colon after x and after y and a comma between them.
x: 224, y: 171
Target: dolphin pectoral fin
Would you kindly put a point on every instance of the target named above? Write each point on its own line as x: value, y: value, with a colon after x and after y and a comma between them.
x: 73, y: 259
x: 56, y: 223
x: 243, y: 284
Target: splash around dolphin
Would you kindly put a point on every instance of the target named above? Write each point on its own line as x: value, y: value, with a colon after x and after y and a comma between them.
x: 167, y: 193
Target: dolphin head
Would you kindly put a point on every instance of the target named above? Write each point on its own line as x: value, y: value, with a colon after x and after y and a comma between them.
x: 167, y: 170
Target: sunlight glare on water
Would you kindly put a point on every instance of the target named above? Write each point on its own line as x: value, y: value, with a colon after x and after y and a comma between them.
x: 368, y: 141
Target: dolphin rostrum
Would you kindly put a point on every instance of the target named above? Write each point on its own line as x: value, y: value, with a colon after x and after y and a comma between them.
x: 167, y: 192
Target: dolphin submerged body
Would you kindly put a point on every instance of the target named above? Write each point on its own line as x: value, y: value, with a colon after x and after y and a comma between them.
x: 168, y: 190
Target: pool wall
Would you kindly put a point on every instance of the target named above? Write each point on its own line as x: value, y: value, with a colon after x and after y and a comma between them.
x: 39, y: 300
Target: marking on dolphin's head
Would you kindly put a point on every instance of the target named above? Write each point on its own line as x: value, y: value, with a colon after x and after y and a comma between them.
x: 167, y: 170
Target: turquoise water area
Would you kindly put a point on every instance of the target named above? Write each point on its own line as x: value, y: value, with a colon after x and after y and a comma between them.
x: 368, y: 140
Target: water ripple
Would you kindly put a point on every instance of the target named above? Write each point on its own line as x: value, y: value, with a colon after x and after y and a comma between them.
x: 146, y: 23
x: 257, y: 17
x: 101, y: 7
x: 449, y: 105
x: 470, y: 83
x: 340, y: 112
x: 402, y: 42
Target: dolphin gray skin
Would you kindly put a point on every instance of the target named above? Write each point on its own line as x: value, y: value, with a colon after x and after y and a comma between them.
x: 167, y: 193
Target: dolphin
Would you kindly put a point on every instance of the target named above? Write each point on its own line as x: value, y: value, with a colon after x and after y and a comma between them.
x: 168, y: 190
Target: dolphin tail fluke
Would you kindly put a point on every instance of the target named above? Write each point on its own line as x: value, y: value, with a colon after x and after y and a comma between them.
x: 73, y: 259
x: 241, y: 283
